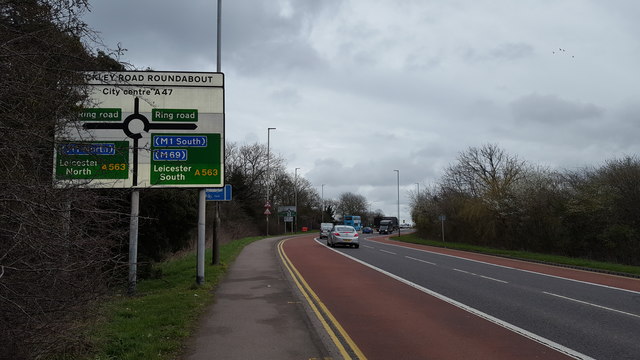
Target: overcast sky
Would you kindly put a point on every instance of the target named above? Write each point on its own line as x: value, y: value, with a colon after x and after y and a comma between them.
x: 358, y: 88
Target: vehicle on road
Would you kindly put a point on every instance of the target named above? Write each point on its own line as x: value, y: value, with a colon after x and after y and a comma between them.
x: 343, y: 235
x: 353, y: 220
x: 391, y: 223
x: 386, y: 227
x: 325, y: 230
x: 367, y: 230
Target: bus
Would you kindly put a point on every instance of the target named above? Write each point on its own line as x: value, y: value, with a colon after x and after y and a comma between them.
x: 353, y: 220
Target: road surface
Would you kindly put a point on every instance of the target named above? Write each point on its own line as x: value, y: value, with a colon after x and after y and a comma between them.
x: 414, y: 302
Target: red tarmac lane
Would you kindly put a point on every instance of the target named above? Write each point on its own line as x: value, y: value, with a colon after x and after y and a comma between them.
x: 391, y: 320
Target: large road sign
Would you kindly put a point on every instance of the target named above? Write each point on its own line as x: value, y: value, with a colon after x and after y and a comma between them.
x: 146, y: 129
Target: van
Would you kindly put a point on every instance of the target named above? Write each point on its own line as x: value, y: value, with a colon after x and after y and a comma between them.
x: 325, y: 229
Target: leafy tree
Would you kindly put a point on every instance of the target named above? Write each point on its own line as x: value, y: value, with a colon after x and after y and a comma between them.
x: 329, y: 213
x: 602, y: 211
x: 494, y: 199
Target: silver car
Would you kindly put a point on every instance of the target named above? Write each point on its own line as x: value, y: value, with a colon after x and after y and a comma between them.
x: 343, y: 235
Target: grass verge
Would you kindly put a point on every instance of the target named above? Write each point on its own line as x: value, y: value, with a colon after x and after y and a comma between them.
x: 155, y: 323
x: 545, y: 258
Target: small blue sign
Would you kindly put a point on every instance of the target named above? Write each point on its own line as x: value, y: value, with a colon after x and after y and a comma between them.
x: 89, y: 149
x: 170, y: 155
x: 179, y: 141
x: 219, y: 194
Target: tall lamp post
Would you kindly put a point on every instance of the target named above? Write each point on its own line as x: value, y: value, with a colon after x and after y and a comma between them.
x: 295, y: 197
x: 267, y: 212
x: 398, y: 177
x: 322, y: 208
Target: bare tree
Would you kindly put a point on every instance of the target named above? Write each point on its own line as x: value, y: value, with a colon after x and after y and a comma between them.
x: 485, y: 179
x: 487, y: 171
x: 56, y: 244
x: 351, y: 204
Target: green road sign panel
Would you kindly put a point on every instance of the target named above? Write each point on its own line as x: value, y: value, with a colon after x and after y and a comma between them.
x: 179, y: 159
x: 174, y: 115
x: 92, y: 160
x: 101, y: 114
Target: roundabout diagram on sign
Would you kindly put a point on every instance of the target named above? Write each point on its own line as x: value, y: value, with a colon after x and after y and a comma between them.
x: 131, y: 127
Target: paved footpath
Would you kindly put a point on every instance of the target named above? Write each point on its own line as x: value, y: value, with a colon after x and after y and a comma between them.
x: 256, y: 314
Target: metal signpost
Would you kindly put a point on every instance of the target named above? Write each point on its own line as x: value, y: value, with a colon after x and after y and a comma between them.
x: 442, y: 218
x: 146, y: 129
x: 217, y: 195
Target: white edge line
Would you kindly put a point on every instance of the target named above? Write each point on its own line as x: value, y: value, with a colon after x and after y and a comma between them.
x: 592, y: 304
x: 544, y: 341
x: 512, y: 268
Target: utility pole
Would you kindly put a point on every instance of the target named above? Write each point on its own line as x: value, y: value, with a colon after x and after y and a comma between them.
x: 398, y: 176
x: 295, y: 197
x: 322, y: 210
x: 267, y: 205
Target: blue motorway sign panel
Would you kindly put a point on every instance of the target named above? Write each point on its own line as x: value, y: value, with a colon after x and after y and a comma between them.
x: 219, y: 194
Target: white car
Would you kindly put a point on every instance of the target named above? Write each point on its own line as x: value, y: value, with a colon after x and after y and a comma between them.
x: 343, y: 235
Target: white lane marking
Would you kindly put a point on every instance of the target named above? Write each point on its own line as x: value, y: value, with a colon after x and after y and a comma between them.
x: 537, y: 338
x: 494, y: 279
x: 592, y: 304
x: 482, y: 276
x: 367, y: 246
x: 516, y: 269
x: 388, y: 252
x: 423, y: 261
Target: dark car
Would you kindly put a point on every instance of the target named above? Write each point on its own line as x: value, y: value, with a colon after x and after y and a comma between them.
x: 367, y: 230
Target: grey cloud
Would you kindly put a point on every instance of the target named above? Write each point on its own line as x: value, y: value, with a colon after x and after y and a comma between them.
x: 550, y: 109
x: 153, y: 30
x: 506, y: 51
x: 263, y: 38
x: 287, y: 95
x: 512, y: 51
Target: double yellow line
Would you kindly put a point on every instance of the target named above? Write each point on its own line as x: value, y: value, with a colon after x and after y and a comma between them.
x: 347, y: 348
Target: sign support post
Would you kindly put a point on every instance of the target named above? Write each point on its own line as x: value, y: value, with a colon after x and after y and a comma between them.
x: 201, y: 238
x: 217, y: 195
x: 133, y: 241
x: 442, y: 219
x: 215, y: 246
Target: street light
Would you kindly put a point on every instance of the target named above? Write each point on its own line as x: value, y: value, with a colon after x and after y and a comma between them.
x: 295, y: 197
x: 322, y: 209
x: 398, y: 177
x: 268, y: 174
